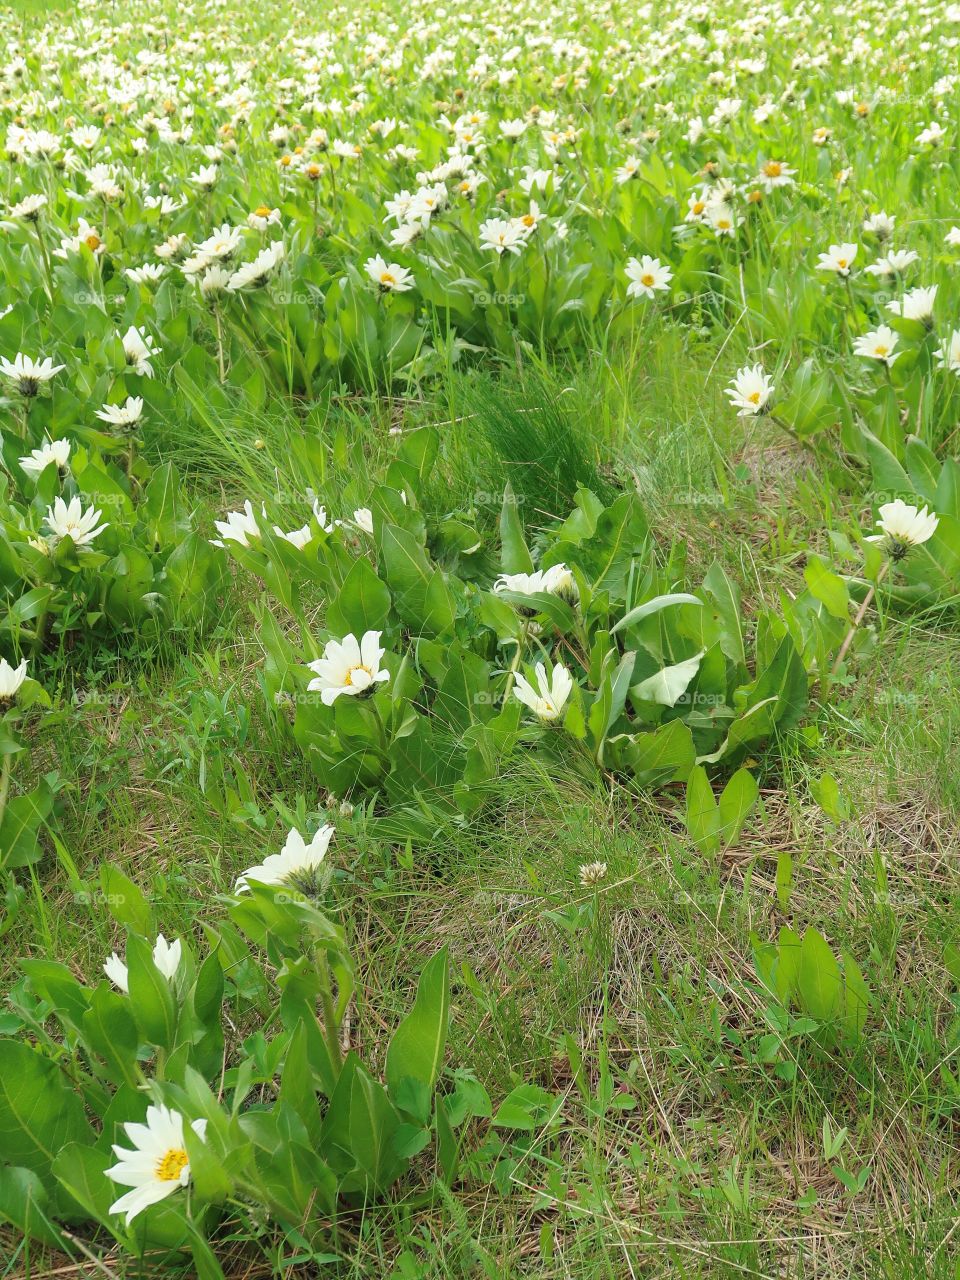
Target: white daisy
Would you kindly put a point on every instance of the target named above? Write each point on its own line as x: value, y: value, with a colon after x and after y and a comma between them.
x: 69, y: 520
x: 348, y: 666
x: 903, y: 526
x: 647, y: 276
x: 750, y: 390
x: 548, y: 699
x: 27, y: 375
x: 157, y: 1166
x: 878, y: 344
x: 11, y: 678
x: 296, y: 864
x: 51, y: 451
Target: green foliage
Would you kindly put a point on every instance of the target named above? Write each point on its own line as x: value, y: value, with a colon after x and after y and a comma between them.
x: 803, y: 974
x: 332, y: 1133
x: 147, y: 571
x: 664, y: 681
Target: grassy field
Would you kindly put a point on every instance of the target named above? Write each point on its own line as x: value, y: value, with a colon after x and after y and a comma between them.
x: 688, y: 1122
x: 678, y: 1151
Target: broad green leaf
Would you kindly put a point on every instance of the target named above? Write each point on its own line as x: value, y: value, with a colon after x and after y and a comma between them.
x: 702, y: 813
x: 819, y: 981
x: 827, y: 587
x: 514, y: 556
x: 416, y: 1050
x: 362, y: 603
x: 151, y: 999
x: 666, y: 687
x: 24, y: 1204
x: 125, y: 902
x: 736, y: 801
x: 856, y: 998
x: 654, y: 606
x: 40, y: 1112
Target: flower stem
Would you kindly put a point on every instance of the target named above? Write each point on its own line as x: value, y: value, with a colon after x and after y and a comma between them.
x: 48, y: 270
x: 219, y: 323
x: 331, y: 1027
x: 861, y: 612
x: 5, y: 773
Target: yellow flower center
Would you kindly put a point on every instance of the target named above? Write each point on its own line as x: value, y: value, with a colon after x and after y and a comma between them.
x: 528, y: 220
x: 171, y: 1164
x: 754, y: 397
x: 841, y: 263
x: 881, y: 350
x: 387, y: 277
x: 285, y: 161
x: 92, y: 242
x: 723, y: 224
x: 646, y: 279
x: 773, y: 168
x: 697, y: 207
x: 261, y: 211
x: 348, y: 678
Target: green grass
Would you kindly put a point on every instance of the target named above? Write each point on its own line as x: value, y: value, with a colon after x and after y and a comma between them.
x: 32, y: 8
x: 680, y: 1151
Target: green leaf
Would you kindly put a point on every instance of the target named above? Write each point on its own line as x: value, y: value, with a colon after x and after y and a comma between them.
x: 420, y: 593
x: 827, y: 587
x: 527, y: 1107
x: 702, y: 813
x: 826, y: 791
x: 151, y: 999
x: 362, y: 603
x: 79, y: 1171
x: 111, y: 1032
x: 736, y: 801
x: 947, y: 496
x: 924, y: 468
x: 125, y: 902
x: 611, y: 699
x: 40, y: 1112
x: 373, y: 1125
x: 24, y: 1203
x: 726, y: 598
x: 296, y: 1084
x: 206, y: 1266
x: 666, y: 687
x: 666, y: 755
x: 211, y: 1181
x: 654, y: 606
x: 856, y: 998
x: 553, y: 608
x: 514, y: 556
x: 818, y: 978
x: 889, y: 476
x: 416, y: 1050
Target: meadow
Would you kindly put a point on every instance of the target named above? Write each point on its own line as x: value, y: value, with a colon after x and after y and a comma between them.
x: 479, y: 687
